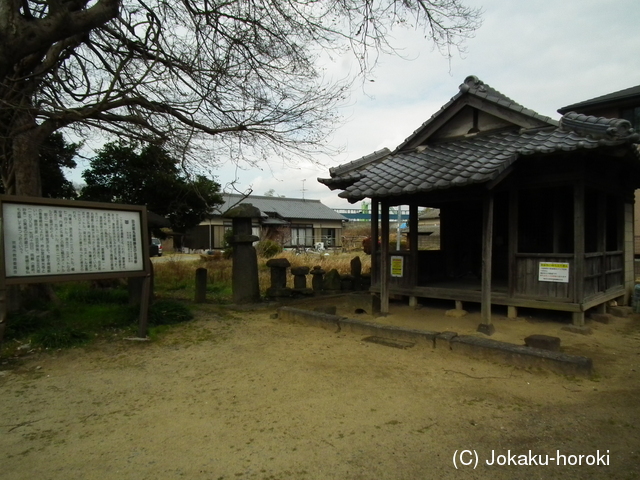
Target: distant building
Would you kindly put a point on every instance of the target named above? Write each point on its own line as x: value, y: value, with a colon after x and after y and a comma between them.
x: 623, y: 104
x: 292, y: 222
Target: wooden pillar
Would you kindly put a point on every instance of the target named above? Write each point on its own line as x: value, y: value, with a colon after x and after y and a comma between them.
x: 3, y: 305
x: 413, y: 251
x: 578, y: 246
x: 384, y: 258
x: 602, y: 239
x: 486, y: 326
x: 513, y: 242
x: 143, y: 320
x: 413, y: 244
x: 628, y: 258
x: 375, y: 268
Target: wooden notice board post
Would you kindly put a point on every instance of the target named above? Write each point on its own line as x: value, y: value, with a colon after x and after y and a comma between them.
x: 50, y: 240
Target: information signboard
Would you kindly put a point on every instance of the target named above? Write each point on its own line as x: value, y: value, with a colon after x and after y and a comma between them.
x: 553, y: 272
x: 52, y: 238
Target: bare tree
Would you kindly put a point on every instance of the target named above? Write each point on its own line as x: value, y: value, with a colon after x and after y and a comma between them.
x: 239, y: 77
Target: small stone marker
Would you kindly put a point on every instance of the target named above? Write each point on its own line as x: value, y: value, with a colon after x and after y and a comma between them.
x: 201, y: 285
x: 347, y: 282
x: 356, y: 273
x: 278, y: 286
x: 545, y: 342
x: 317, y: 279
x: 299, y: 277
x: 332, y: 281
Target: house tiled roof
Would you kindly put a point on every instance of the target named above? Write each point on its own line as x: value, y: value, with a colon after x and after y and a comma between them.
x: 476, y: 159
x: 359, y: 163
x: 284, y: 208
x: 619, y: 96
x: 475, y: 88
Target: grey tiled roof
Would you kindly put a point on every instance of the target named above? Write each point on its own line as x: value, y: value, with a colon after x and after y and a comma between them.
x: 474, y: 87
x: 359, y: 163
x: 476, y: 159
x: 421, y: 165
x: 626, y: 94
x: 286, y: 208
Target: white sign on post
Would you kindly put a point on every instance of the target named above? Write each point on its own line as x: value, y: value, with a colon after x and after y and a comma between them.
x: 553, y: 272
x: 59, y: 240
x: 397, y: 266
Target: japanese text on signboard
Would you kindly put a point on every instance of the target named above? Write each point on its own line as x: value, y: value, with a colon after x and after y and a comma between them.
x: 553, y: 272
x: 53, y: 240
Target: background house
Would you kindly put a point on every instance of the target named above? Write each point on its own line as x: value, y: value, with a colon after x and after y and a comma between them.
x: 622, y: 104
x: 291, y: 222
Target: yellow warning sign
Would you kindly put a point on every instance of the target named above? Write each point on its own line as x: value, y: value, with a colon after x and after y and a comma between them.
x: 397, y: 266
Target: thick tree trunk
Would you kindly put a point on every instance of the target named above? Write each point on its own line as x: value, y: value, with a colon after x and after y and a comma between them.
x: 26, y: 160
x: 25, y: 180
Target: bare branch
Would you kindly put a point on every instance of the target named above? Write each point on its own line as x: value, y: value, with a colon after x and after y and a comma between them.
x: 238, y: 78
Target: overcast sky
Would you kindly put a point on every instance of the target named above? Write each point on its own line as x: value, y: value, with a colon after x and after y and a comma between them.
x: 542, y: 54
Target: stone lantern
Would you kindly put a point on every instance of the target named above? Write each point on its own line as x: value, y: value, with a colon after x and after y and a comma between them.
x: 245, y: 285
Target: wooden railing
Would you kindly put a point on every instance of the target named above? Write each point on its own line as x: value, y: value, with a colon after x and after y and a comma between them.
x: 602, y: 271
x: 525, y: 277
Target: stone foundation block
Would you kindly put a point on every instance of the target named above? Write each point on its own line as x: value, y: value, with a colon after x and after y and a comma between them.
x: 580, y: 329
x: 601, y: 317
x: 362, y: 303
x: 387, y: 331
x: 443, y: 340
x: 329, y: 309
x: 620, y: 311
x: 307, y: 317
x: 545, y: 342
x: 521, y: 356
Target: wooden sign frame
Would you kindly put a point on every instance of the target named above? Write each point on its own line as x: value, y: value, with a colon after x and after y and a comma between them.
x: 84, y: 222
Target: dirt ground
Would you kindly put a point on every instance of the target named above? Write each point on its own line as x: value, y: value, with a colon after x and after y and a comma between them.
x: 239, y: 395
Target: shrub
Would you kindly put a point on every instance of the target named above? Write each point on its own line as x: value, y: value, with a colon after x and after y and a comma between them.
x: 24, y: 323
x: 168, y: 312
x: 92, y: 294
x: 226, y: 240
x: 63, y: 337
x: 268, y: 248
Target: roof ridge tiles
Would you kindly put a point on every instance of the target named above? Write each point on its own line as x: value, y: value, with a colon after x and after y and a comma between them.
x: 598, y: 128
x: 360, y: 162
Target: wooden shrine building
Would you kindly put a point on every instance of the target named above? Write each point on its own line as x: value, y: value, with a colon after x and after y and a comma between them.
x: 533, y: 212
